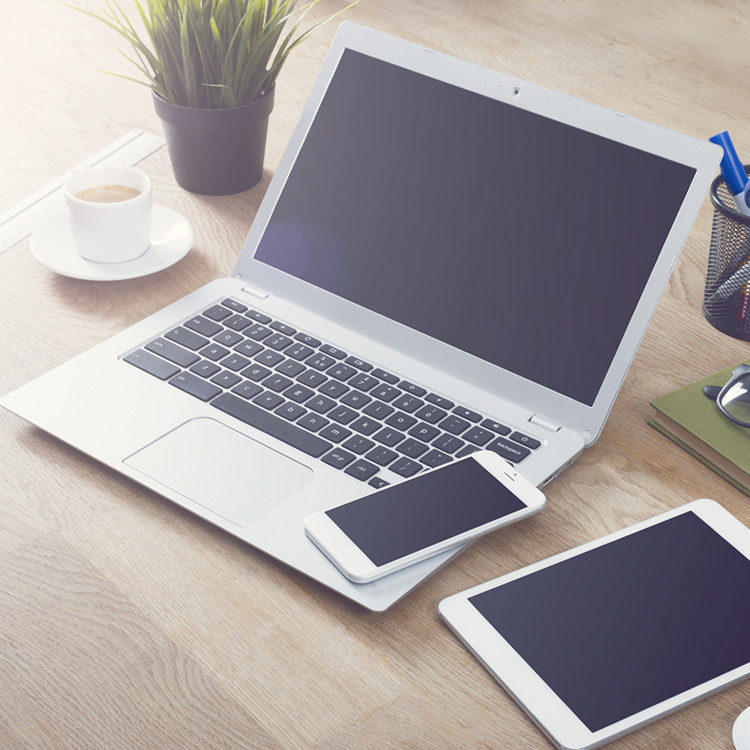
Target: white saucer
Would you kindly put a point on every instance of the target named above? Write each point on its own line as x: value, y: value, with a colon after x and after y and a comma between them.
x: 741, y: 731
x: 171, y: 240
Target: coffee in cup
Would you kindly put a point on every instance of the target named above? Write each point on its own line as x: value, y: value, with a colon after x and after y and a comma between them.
x: 108, y: 194
x: 110, y: 213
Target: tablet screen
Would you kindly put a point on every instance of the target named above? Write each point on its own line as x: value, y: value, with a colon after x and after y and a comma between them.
x: 624, y: 626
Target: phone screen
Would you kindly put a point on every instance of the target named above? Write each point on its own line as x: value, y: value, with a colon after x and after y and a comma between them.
x: 428, y: 509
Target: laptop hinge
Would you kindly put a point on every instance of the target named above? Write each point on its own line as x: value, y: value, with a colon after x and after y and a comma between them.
x: 253, y: 291
x: 547, y: 424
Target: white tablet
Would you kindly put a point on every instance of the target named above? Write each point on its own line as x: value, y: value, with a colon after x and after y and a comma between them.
x: 614, y: 634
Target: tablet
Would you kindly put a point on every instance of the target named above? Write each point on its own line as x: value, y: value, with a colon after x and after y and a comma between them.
x: 614, y: 634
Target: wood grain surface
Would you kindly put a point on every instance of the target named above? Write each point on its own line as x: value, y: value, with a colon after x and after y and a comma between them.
x: 126, y: 622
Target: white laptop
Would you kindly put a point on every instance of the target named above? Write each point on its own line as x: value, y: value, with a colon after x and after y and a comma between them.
x: 447, y: 258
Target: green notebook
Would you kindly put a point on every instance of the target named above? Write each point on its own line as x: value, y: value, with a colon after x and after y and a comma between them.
x: 695, y: 423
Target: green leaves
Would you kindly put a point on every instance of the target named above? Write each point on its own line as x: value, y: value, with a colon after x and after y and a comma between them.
x: 210, y: 54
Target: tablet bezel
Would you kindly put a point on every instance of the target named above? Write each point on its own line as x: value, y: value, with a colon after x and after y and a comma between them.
x: 547, y: 710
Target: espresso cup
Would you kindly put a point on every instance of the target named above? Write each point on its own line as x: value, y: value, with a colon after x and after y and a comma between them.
x: 110, y: 213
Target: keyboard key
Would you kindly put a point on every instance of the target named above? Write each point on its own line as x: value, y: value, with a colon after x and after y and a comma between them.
x: 401, y: 421
x: 278, y: 341
x: 228, y: 338
x: 405, y: 467
x: 311, y: 378
x: 298, y: 393
x: 202, y: 325
x: 320, y: 404
x: 248, y: 348
x: 237, y: 322
x: 529, y: 442
x: 381, y: 456
x: 272, y: 425
x: 235, y: 362
x: 478, y: 436
x: 500, y: 429
x: 258, y: 316
x: 232, y: 304
x: 467, y: 451
x: 195, y: 386
x: 307, y: 339
x: 338, y: 458
x: 362, y: 382
x: 342, y: 414
x: 269, y: 357
x: 362, y: 470
x: 359, y: 364
x: 388, y: 436
x: 435, y: 458
x: 290, y: 368
x: 256, y: 372
x: 333, y: 388
x: 186, y: 338
x: 172, y: 352
x: 258, y: 332
x: 509, y: 450
x: 313, y: 422
x: 341, y: 372
x: 383, y: 375
x: 205, y: 369
x: 454, y: 425
x: 246, y: 389
x: 335, y: 433
x: 357, y: 399
x: 440, y: 401
x: 299, y: 352
x: 378, y: 409
x: 268, y: 400
x: 277, y: 383
x: 448, y: 443
x: 319, y: 361
x: 217, y: 312
x: 226, y: 379
x: 332, y: 351
x: 412, y: 448
x: 408, y: 403
x: 425, y: 432
x: 415, y: 390
x: 385, y: 392
x: 214, y: 352
x: 283, y: 328
x: 291, y: 411
x: 151, y: 364
x: 472, y: 416
x: 365, y: 425
x: 378, y: 483
x: 359, y: 444
x: 431, y: 414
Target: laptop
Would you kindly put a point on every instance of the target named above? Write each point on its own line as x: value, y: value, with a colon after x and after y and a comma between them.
x: 446, y: 259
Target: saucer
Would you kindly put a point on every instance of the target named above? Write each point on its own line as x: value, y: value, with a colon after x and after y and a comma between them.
x: 171, y: 240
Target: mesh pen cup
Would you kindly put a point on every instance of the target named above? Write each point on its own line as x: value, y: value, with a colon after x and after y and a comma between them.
x: 726, y: 300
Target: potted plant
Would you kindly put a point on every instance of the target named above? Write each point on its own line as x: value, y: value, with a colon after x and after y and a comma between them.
x: 212, y: 66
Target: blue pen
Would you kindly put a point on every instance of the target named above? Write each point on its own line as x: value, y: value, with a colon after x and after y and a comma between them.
x: 733, y: 172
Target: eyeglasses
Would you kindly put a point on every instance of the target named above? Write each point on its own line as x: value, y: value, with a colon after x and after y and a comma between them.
x: 734, y: 398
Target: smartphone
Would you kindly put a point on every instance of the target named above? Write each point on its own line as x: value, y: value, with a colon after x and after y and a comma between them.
x: 401, y: 524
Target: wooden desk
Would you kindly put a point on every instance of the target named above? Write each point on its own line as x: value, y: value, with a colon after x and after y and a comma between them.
x: 126, y: 622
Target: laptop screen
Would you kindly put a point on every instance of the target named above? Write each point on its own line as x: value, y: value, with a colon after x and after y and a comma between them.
x: 511, y: 236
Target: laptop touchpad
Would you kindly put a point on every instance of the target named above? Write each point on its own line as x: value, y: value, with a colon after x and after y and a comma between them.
x: 221, y: 469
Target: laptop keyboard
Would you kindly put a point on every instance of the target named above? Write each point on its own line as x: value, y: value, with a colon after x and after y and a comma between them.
x: 317, y: 398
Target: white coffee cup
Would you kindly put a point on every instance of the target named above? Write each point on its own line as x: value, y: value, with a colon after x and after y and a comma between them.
x: 110, y: 213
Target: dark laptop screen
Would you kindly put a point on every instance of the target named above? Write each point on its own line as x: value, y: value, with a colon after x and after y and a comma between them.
x: 513, y: 237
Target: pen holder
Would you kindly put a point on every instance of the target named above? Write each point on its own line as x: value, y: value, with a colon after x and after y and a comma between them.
x: 726, y: 300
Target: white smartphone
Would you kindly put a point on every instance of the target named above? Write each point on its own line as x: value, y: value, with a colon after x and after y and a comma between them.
x: 437, y: 510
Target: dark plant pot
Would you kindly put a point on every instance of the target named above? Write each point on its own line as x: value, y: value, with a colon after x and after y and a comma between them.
x: 216, y: 151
